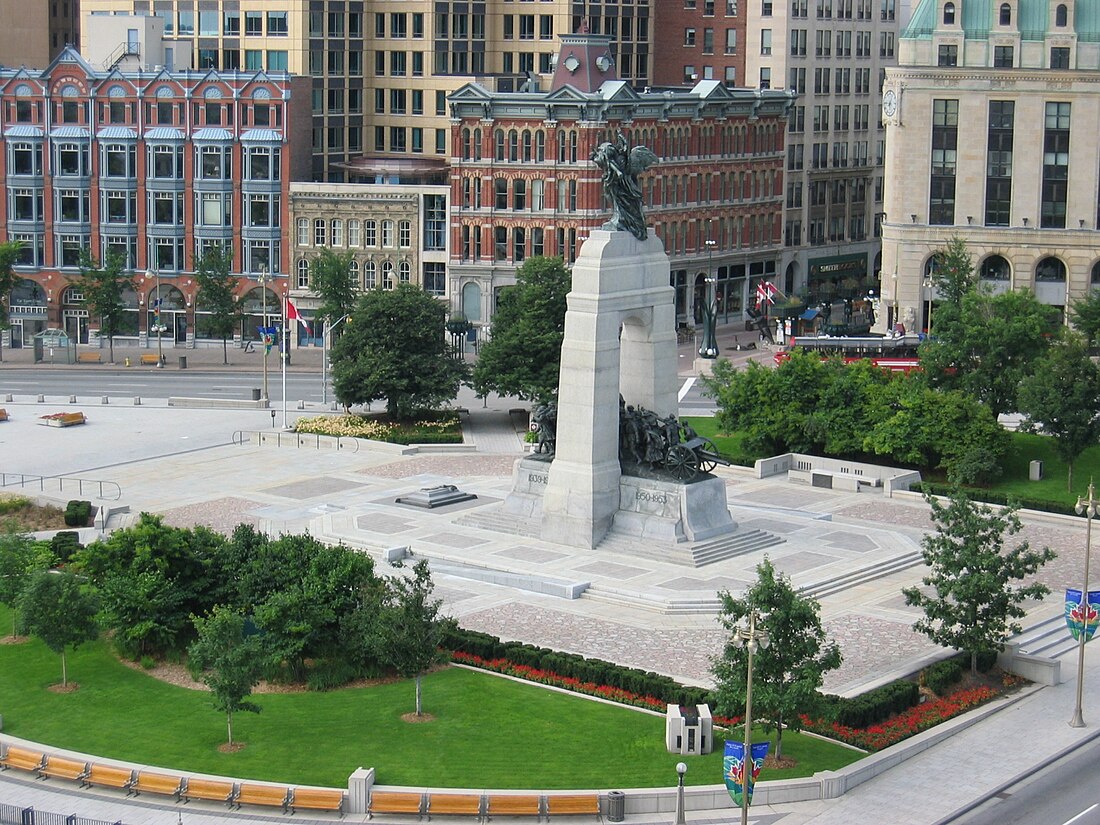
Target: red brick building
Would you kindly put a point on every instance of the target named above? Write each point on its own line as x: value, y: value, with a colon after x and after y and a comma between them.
x: 523, y: 183
x: 157, y: 166
x: 697, y: 40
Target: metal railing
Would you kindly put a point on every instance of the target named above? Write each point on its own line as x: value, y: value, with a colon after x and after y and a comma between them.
x: 107, y: 490
x: 285, y: 439
x: 14, y: 815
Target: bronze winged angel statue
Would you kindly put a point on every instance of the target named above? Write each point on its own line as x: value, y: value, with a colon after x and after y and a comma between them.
x: 621, y: 167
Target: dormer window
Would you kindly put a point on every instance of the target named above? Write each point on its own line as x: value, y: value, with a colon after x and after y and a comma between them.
x: 1061, y: 15
x: 1005, y: 18
x: 949, y: 14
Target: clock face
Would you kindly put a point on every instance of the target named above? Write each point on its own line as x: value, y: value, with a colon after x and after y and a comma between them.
x: 889, y: 103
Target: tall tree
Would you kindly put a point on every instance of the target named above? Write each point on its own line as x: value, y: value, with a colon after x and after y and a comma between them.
x: 228, y: 660
x: 60, y: 611
x: 9, y: 255
x: 394, y: 348
x: 1061, y: 398
x: 523, y: 357
x: 1085, y: 315
x: 217, y: 294
x: 952, y: 274
x: 103, y: 286
x: 18, y: 562
x: 972, y: 603
x: 411, y: 627
x: 989, y: 346
x: 332, y: 280
x: 788, y: 673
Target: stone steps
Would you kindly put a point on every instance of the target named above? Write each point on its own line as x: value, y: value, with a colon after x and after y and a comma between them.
x: 500, y: 522
x: 1049, y: 638
x: 647, y: 601
x: 695, y: 554
x: 828, y: 587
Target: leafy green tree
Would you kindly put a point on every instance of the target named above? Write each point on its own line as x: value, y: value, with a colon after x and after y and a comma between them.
x: 9, y: 255
x: 217, y: 294
x: 103, y: 287
x: 60, y: 611
x: 523, y: 357
x: 972, y: 603
x: 228, y: 660
x: 952, y: 274
x: 989, y: 346
x: 332, y: 280
x: 411, y: 627
x: 1061, y: 398
x: 1085, y: 315
x: 19, y: 560
x: 394, y: 348
x: 788, y: 673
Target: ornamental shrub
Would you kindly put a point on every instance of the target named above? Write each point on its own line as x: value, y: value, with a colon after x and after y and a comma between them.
x: 939, y: 677
x: 64, y: 544
x: 77, y: 513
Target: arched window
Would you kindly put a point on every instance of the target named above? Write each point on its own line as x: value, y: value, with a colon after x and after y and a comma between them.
x: 465, y: 144
x: 540, y: 146
x: 387, y: 275
x: 303, y: 273
x: 499, y: 138
x: 1061, y: 16
x: 526, y: 145
x: 1095, y: 280
x: 303, y: 231
x: 387, y: 233
x: 513, y: 145
x: 561, y: 147
x: 949, y: 14
x: 477, y: 144
x: 370, y: 233
x: 368, y: 275
x: 1005, y: 18
x: 1050, y: 270
x: 353, y: 274
x: 355, y: 239
x: 404, y: 234
x: 320, y: 232
x: 995, y: 268
x: 405, y: 272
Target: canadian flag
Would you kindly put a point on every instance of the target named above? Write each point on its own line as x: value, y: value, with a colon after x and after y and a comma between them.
x: 292, y: 314
x: 765, y: 292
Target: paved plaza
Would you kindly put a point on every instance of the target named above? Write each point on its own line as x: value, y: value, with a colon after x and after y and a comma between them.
x: 636, y: 610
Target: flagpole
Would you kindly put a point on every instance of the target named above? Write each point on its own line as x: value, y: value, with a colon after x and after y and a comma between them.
x: 286, y: 349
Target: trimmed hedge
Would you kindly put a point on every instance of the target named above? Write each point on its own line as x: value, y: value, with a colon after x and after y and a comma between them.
x: 994, y: 497
x: 942, y: 675
x: 64, y: 544
x: 874, y: 706
x: 77, y: 513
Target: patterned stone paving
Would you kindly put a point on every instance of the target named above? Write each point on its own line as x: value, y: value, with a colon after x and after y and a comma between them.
x: 312, y: 488
x: 856, y: 542
x: 454, y: 540
x: 446, y: 465
x: 869, y: 645
x: 801, y: 562
x: 534, y: 555
x: 221, y: 514
x: 772, y: 497
x: 713, y: 585
x: 617, y: 571
x: 784, y: 528
x: 384, y: 523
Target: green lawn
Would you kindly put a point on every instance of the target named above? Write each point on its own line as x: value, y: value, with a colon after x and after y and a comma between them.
x: 488, y: 732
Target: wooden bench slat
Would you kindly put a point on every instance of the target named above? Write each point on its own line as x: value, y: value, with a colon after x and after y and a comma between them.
x: 395, y: 802
x: 152, y: 360
x: 271, y: 795
x: 316, y: 799
x: 513, y: 805
x: 63, y: 768
x: 454, y: 804
x: 22, y: 759
x: 160, y: 783
x: 109, y: 776
x: 209, y: 789
x: 88, y: 358
x: 572, y: 804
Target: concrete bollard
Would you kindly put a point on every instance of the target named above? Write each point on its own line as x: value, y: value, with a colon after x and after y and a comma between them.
x: 72, y: 399
x: 301, y: 404
x: 8, y: 398
x: 41, y: 399
x: 137, y: 400
x: 105, y: 400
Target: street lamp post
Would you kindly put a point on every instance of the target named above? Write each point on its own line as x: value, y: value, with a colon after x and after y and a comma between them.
x: 681, y: 769
x: 158, y: 325
x: 324, y: 356
x: 1088, y: 508
x: 709, y: 347
x: 263, y: 279
x: 752, y: 637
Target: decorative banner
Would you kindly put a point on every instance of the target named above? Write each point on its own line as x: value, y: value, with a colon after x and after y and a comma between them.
x: 733, y: 767
x: 1078, y: 619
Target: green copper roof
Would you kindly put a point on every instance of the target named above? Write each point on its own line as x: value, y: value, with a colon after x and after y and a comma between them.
x: 1033, y: 18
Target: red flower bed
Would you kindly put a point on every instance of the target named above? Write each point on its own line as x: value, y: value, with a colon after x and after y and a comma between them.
x: 903, y: 725
x: 547, y: 677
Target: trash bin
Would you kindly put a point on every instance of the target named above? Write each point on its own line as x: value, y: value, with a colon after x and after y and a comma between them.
x: 616, y: 806
x: 255, y: 393
x: 183, y: 362
x: 1035, y: 471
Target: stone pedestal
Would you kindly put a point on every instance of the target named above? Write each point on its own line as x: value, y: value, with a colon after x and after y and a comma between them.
x: 619, y: 338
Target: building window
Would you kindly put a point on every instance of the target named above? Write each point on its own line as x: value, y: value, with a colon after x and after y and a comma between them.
x: 1061, y: 16
x: 948, y: 55
x: 995, y: 268
x: 435, y: 278
x: 945, y: 137
x: 1059, y: 57
x: 336, y: 229
x: 404, y: 234
x: 370, y: 233
x: 303, y: 274
x: 998, y: 180
x: 1055, y: 165
x: 302, y: 225
x: 387, y: 234
x: 1050, y: 270
x: 949, y: 14
x: 1005, y: 15
x: 369, y: 280
x: 1003, y: 57
x: 320, y: 232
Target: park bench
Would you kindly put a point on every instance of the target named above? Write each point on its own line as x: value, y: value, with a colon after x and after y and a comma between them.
x: 89, y: 358
x: 573, y: 805
x: 161, y: 783
x: 110, y: 777
x: 317, y: 799
x: 62, y: 768
x: 274, y: 796
x: 22, y: 759
x: 3, y: 414
x: 513, y: 805
x: 211, y: 790
x: 395, y: 802
x: 454, y: 804
x: 150, y: 360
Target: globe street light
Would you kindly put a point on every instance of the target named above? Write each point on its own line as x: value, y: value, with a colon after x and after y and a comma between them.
x: 158, y: 326
x: 750, y: 636
x: 709, y: 347
x: 263, y: 279
x: 681, y: 769
x: 1088, y: 508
